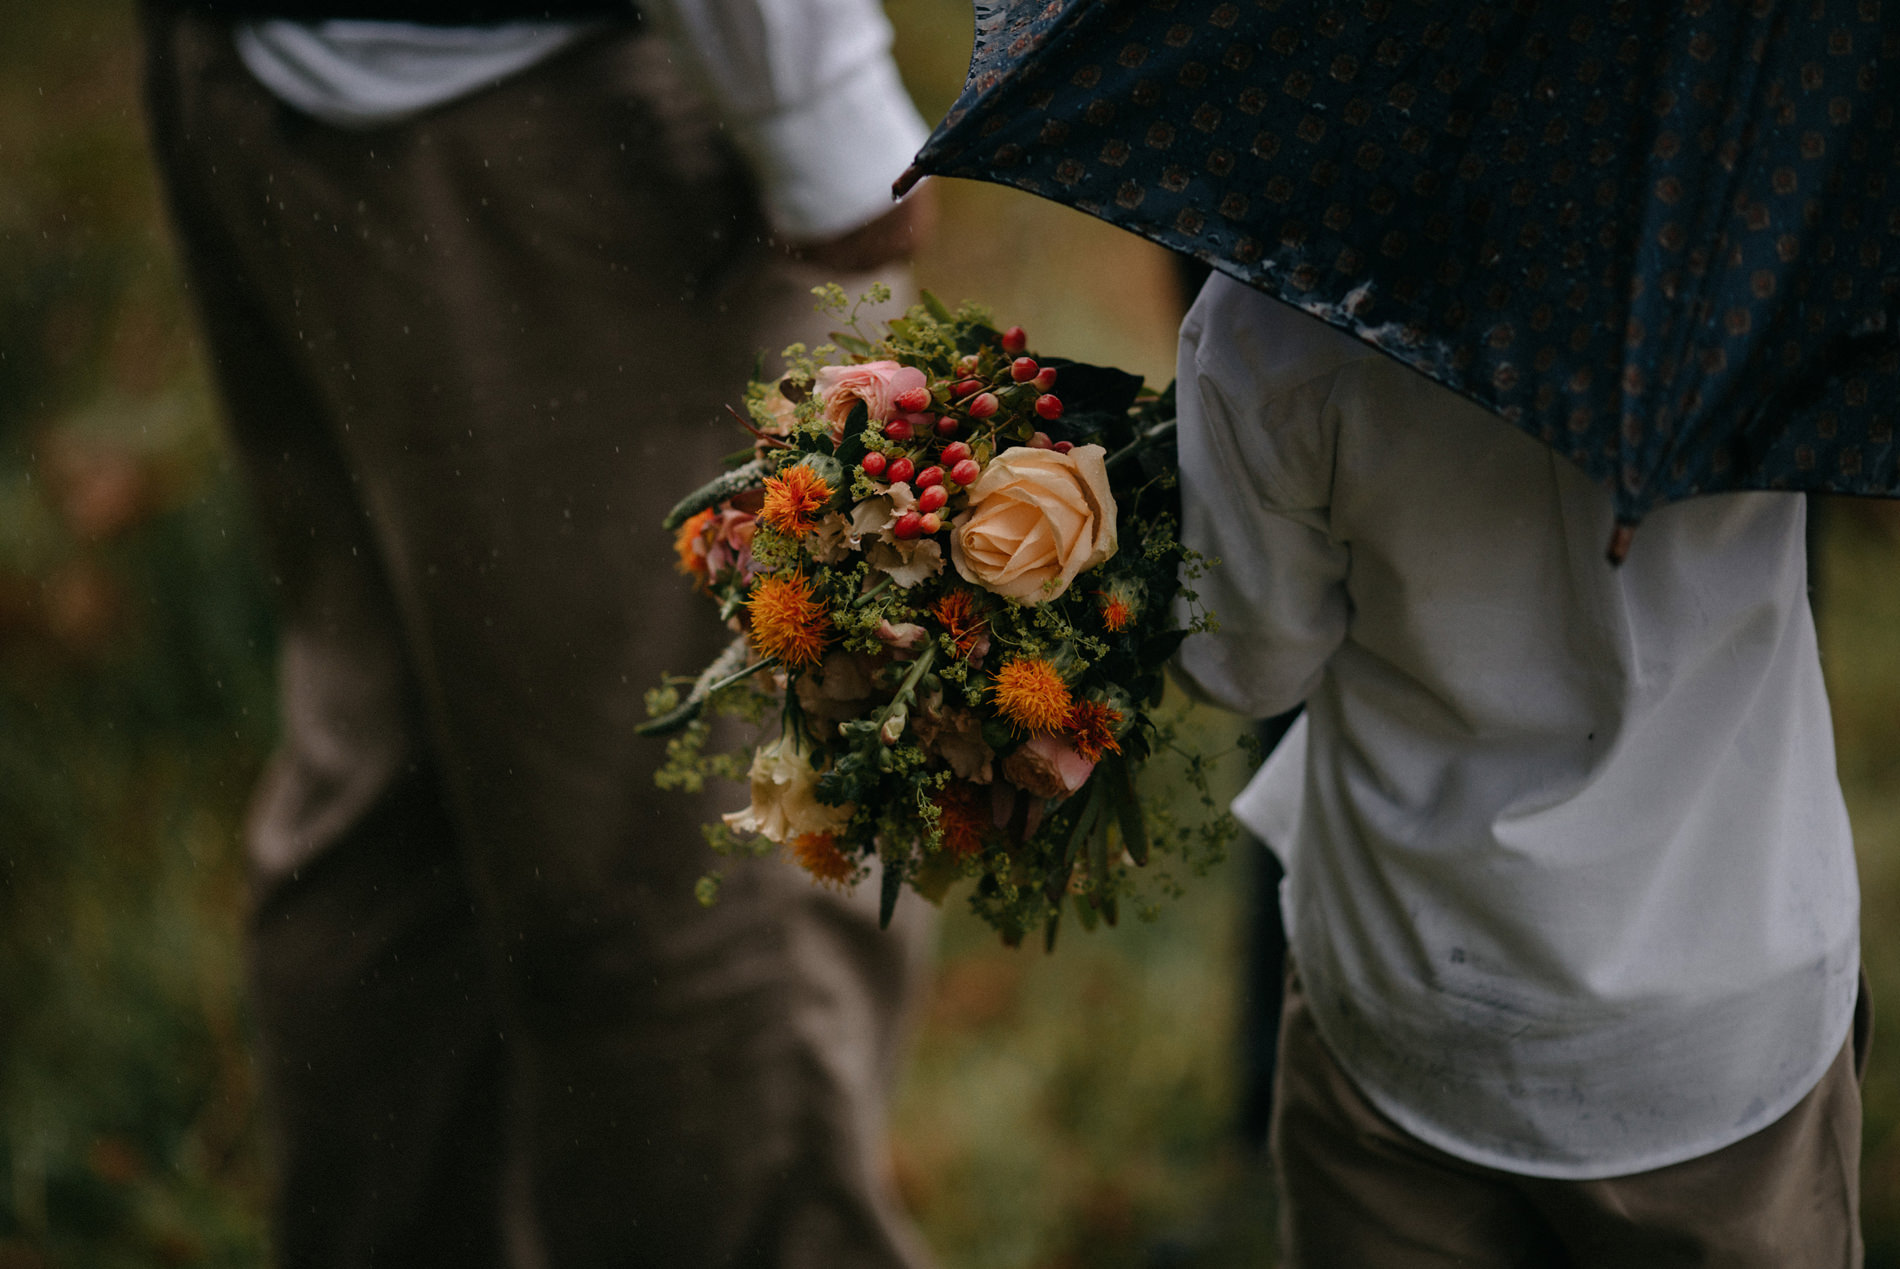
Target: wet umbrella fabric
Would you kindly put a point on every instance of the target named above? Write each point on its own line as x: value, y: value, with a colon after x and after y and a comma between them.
x: 1664, y: 239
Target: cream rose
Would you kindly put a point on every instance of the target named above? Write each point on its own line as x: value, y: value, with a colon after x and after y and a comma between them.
x: 785, y: 803
x: 876, y: 383
x: 1037, y: 519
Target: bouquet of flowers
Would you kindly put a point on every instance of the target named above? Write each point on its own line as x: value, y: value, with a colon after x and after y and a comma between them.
x: 953, y: 569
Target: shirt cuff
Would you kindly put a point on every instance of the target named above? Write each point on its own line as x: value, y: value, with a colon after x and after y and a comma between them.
x: 825, y: 166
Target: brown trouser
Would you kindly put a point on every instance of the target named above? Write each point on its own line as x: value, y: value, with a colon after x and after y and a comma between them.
x: 469, y: 362
x: 1358, y: 1192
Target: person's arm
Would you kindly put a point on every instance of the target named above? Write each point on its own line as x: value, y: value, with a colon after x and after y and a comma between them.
x: 1257, y: 456
x: 813, y: 100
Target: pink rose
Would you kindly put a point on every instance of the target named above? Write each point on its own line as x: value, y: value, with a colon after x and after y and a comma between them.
x: 729, y: 544
x: 1047, y: 767
x: 901, y: 637
x: 876, y: 383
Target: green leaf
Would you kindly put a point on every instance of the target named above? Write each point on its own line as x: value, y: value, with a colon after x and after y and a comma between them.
x: 1086, y: 820
x: 727, y: 668
x: 935, y: 307
x: 1128, y: 812
x: 852, y: 449
x: 1098, y: 844
x: 1160, y: 647
x: 893, y: 885
x: 1087, y: 389
x: 935, y: 873
x: 851, y: 343
x: 717, y: 490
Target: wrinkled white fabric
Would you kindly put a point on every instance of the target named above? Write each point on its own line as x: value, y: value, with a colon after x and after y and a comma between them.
x: 361, y: 74
x: 1570, y: 880
x: 807, y: 87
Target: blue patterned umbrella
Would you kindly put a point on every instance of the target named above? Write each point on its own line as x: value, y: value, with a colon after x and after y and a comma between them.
x: 1663, y: 238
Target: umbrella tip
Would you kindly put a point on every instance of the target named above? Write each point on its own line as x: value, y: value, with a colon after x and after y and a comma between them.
x: 902, y: 185
x: 1620, y: 542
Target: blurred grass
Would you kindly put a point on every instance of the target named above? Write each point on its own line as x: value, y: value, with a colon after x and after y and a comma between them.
x: 1860, y: 638
x: 134, y: 698
x: 1060, y: 1111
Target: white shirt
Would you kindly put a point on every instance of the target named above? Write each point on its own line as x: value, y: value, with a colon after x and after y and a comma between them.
x: 807, y: 87
x: 1570, y: 881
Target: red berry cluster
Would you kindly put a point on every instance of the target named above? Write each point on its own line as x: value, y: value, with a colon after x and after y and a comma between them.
x: 979, y: 394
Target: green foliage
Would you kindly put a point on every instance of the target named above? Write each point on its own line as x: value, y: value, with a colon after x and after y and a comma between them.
x: 1057, y: 1111
x: 1108, y: 635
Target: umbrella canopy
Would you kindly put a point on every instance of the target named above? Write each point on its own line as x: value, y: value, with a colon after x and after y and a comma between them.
x: 1664, y: 238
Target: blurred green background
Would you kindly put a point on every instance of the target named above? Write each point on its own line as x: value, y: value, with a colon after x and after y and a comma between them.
x: 1064, y: 1111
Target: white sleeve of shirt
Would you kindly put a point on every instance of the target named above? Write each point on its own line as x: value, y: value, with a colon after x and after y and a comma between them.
x: 813, y: 100
x: 1256, y: 444
x: 807, y: 87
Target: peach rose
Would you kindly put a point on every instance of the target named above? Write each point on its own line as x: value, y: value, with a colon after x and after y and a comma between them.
x: 876, y: 383
x: 1037, y: 519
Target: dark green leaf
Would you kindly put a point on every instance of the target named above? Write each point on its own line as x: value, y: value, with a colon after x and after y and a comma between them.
x: 717, y: 490
x: 852, y: 449
x: 887, y: 897
x: 726, y: 669
x: 1087, y: 389
x: 978, y: 337
x: 1084, y: 821
x: 1128, y: 812
x: 1161, y: 646
x: 1098, y: 844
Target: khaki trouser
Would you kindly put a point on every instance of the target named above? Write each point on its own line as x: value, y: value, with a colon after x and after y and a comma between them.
x: 1358, y: 1192
x: 469, y: 362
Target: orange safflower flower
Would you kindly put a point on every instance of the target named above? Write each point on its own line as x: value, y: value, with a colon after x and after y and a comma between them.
x: 962, y: 818
x: 686, y: 542
x: 1116, y: 613
x: 787, y: 623
x: 1091, y: 727
x: 1031, y: 694
x: 961, y: 620
x: 819, y: 855
x: 793, y: 500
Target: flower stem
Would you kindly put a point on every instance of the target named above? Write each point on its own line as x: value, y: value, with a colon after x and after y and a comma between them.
x: 704, y: 688
x: 918, y: 669
x: 742, y: 675
x: 1140, y: 443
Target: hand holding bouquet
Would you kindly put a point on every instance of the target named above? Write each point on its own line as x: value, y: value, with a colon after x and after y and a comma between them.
x: 952, y: 569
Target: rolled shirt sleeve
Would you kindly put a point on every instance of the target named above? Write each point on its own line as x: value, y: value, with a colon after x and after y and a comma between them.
x: 1257, y: 435
x: 813, y: 99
